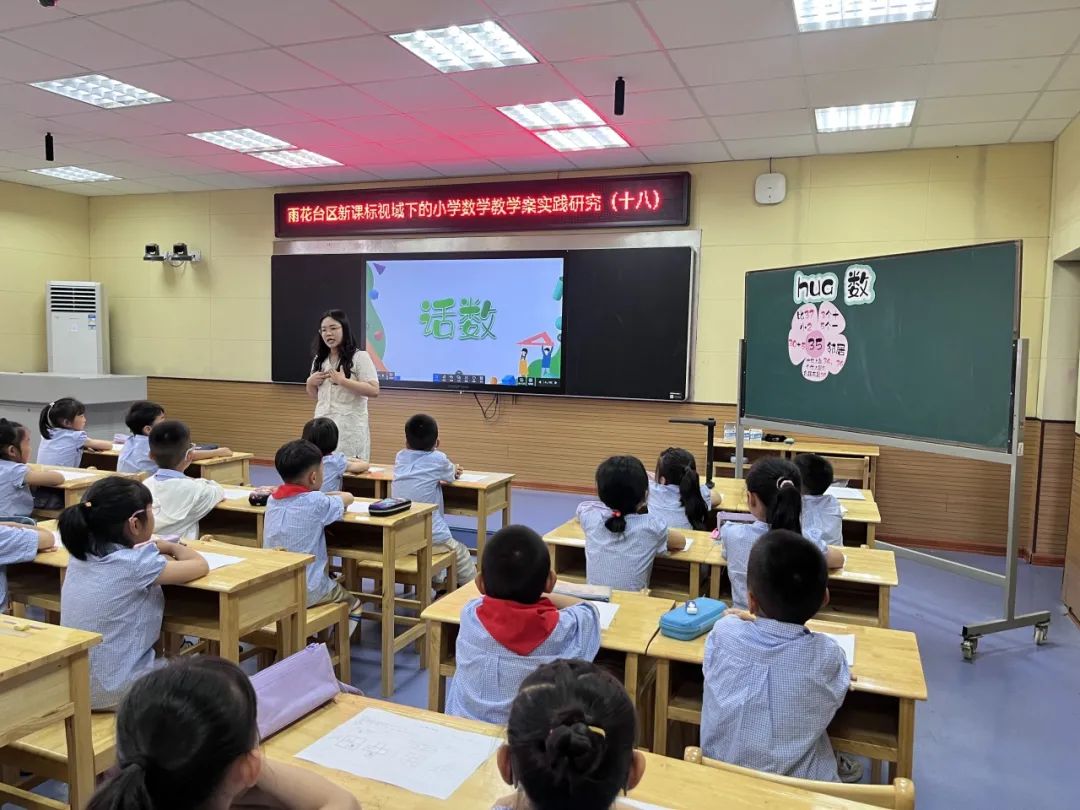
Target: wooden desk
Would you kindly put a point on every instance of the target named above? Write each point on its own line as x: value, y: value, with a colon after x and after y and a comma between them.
x: 45, y: 678
x: 268, y: 587
x: 236, y: 521
x: 667, y: 782
x: 73, y: 491
x: 850, y: 461
x: 363, y: 538
x: 877, y: 719
x: 628, y: 638
x: 476, y: 499
x: 234, y: 469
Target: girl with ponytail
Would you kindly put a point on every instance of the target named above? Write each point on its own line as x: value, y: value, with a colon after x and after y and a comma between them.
x: 62, y: 425
x: 16, y: 477
x: 676, y: 493
x: 774, y: 497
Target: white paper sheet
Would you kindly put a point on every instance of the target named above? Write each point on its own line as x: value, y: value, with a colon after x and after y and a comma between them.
x: 846, y: 493
x: 607, y: 613
x: 117, y: 448
x: 236, y: 494
x: 472, y: 478
x: 216, y: 561
x: 641, y: 805
x: 56, y: 540
x: 422, y: 757
x: 359, y: 508
x: 76, y: 476
x: 847, y: 644
x: 374, y: 469
x: 689, y: 543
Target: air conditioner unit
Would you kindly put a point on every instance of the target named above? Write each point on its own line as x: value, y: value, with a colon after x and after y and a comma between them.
x: 77, y: 323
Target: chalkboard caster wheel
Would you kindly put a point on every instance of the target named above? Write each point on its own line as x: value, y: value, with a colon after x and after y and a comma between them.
x: 1040, y: 633
x: 968, y: 647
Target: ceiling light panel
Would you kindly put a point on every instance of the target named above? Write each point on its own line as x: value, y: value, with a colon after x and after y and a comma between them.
x: 865, y: 116
x: 577, y: 140
x: 819, y: 15
x: 466, y: 47
x: 553, y: 114
x: 296, y: 159
x: 242, y: 140
x: 75, y: 174
x: 101, y: 91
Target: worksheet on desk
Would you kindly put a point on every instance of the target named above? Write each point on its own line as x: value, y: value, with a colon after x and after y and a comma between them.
x: 237, y: 494
x: 76, y: 476
x: 607, y: 612
x: 845, y: 493
x: 359, y: 507
x: 641, y: 805
x: 216, y: 561
x: 847, y: 644
x: 472, y: 478
x: 426, y: 758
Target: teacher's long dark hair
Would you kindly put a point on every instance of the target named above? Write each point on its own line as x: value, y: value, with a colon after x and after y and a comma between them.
x: 346, y: 349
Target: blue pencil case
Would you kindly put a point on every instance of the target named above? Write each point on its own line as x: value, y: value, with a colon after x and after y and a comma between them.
x: 682, y: 625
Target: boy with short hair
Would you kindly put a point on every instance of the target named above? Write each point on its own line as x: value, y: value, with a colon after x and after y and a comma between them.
x: 323, y: 433
x: 180, y: 501
x: 515, y: 628
x: 419, y: 472
x: 297, y: 515
x: 135, y: 453
x: 822, y: 515
x: 771, y: 686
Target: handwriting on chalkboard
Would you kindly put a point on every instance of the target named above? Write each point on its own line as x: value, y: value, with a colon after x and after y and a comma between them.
x: 816, y: 341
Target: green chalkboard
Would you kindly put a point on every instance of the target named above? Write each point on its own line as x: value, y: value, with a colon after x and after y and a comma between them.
x: 917, y: 345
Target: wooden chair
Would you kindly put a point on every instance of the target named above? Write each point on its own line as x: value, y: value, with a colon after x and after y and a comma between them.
x: 405, y: 572
x: 43, y: 755
x: 851, y: 468
x: 900, y: 795
x: 329, y: 623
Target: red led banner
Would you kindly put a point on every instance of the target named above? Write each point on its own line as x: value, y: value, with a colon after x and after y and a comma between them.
x: 626, y: 201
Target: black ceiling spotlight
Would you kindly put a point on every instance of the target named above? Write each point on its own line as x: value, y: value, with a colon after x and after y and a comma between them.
x: 49, y: 155
x: 620, y: 95
x: 47, y: 3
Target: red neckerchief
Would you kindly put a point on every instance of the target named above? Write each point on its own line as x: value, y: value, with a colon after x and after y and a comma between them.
x: 288, y: 490
x: 520, y: 628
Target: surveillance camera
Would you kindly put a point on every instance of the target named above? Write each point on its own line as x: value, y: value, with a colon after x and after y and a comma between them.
x: 181, y: 253
x: 47, y: 3
x: 152, y: 253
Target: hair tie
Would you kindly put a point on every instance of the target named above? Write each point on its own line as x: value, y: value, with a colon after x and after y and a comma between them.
x: 784, y: 482
x: 616, y: 513
x: 593, y: 729
x: 86, y: 505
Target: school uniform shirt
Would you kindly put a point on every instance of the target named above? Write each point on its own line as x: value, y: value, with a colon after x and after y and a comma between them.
x: 16, y: 500
x: 417, y: 476
x: 333, y: 472
x: 664, y: 502
x: 115, y: 596
x: 296, y: 523
x: 822, y: 520
x: 771, y: 690
x: 135, y: 456
x: 17, y: 545
x: 181, y: 501
x: 63, y: 448
x: 489, y: 674
x: 624, y: 560
x: 738, y: 539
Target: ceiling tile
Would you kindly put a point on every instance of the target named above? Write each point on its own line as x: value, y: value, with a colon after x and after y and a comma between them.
x: 17, y: 15
x: 31, y: 179
x: 177, y: 183
x: 657, y: 105
x: 176, y: 117
x: 586, y: 31
x: 109, y: 189
x: 415, y: 95
x: 125, y: 149
x: 110, y: 123
x: 516, y: 143
x: 1048, y: 33
x: 607, y: 158
x: 985, y: 8
x: 84, y: 7
x: 339, y: 174
x: 642, y: 72
x: 998, y: 76
x: 266, y: 71
x: 472, y: 121
x: 174, y: 145
x: 873, y: 140
x: 364, y: 155
x: 430, y: 149
x: 974, y: 109
x: 687, y: 153
x: 963, y: 134
x: 403, y: 171
x: 408, y: 15
x: 867, y: 86
x: 180, y: 29
x: 21, y: 64
x: 1068, y: 75
x: 764, y: 125
x: 229, y: 161
x: 1064, y: 104
x: 34, y: 158
x: 339, y: 101
x: 27, y: 100
x: 226, y: 180
x: 1044, y: 130
x: 312, y: 135
x: 464, y: 168
x: 738, y: 61
x: 127, y: 169
x: 750, y: 97
x: 551, y: 162
x: 280, y: 24
x: 364, y: 59
x: 874, y: 46
x: 706, y: 22
x: 86, y: 44
x: 252, y: 110
x: 518, y: 6
x: 179, y: 81
x: 659, y: 133
x: 380, y: 128
x: 759, y: 148
x: 524, y: 84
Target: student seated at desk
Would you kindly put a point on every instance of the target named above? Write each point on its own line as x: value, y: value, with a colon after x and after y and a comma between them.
x: 570, y: 741
x: 774, y: 496
x: 135, y: 452
x: 16, y: 476
x: 113, y: 582
x: 822, y: 515
x: 297, y: 515
x: 621, y: 540
x: 180, y: 501
x: 419, y: 472
x: 676, y: 493
x: 187, y: 737
x: 63, y: 431
x: 771, y: 686
x: 514, y: 628
x: 323, y: 433
x: 20, y: 543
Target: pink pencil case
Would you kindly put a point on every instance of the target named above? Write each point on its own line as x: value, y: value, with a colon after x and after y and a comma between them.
x: 294, y: 687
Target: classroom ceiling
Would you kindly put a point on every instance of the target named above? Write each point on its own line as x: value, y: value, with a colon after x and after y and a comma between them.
x: 707, y: 80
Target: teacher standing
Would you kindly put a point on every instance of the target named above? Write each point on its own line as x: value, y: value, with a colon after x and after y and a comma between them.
x: 342, y: 378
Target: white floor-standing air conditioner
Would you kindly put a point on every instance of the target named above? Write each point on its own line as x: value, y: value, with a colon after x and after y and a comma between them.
x: 77, y: 320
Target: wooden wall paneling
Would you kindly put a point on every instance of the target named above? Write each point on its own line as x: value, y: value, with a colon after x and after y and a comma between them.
x: 1070, y: 591
x: 1055, y: 490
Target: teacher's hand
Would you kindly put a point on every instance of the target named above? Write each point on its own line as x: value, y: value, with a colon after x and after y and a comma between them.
x: 318, y: 377
x: 337, y: 377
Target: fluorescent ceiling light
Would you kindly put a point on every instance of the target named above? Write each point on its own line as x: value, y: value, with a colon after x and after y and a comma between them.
x: 466, y: 47
x: 242, y: 140
x: 75, y: 174
x: 865, y: 116
x: 576, y: 140
x: 101, y: 91
x: 553, y: 114
x: 296, y: 159
x: 818, y: 15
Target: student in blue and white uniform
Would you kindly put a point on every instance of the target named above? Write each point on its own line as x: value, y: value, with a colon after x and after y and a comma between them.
x: 515, y: 627
x: 135, y: 453
x: 20, y: 543
x: 323, y: 433
x: 676, y: 493
x: 63, y: 431
x: 621, y: 539
x: 822, y: 515
x: 16, y: 477
x: 180, y: 501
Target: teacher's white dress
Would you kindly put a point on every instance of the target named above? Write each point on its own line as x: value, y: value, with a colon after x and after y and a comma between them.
x: 348, y: 410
